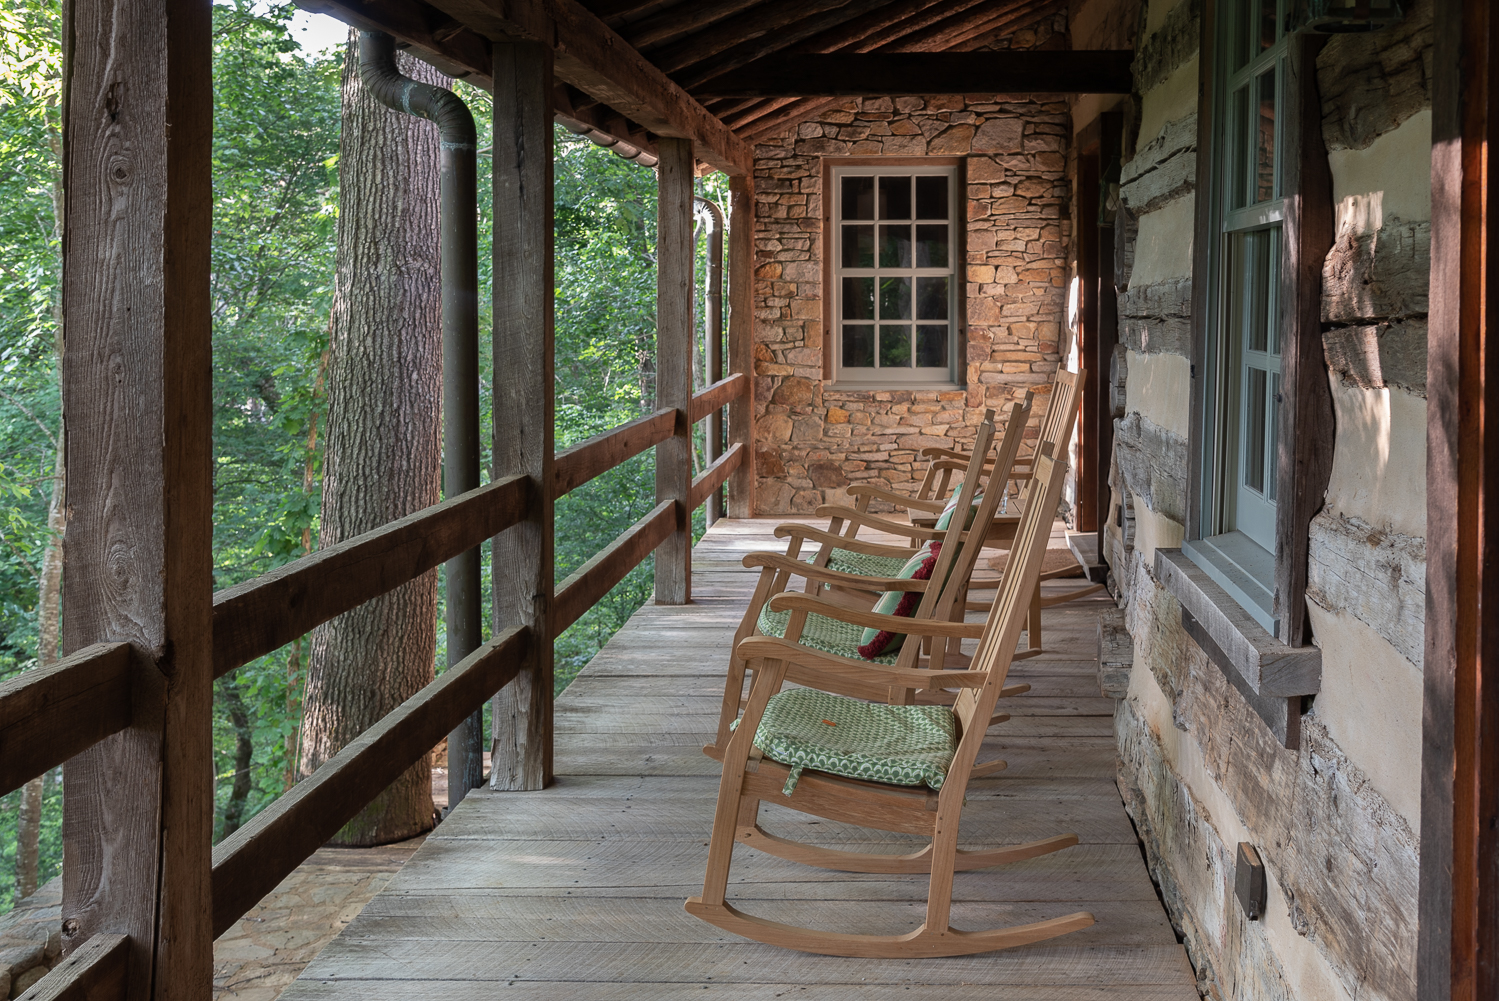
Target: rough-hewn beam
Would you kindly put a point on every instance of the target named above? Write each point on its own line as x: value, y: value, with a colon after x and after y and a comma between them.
x: 892, y: 21
x: 592, y: 57
x: 674, y: 331
x: 667, y: 26
x: 878, y: 73
x: 52, y: 713
x: 432, y: 35
x: 250, y: 862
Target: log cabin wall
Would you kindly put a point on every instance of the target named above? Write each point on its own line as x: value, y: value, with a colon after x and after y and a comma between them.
x: 812, y: 441
x: 1336, y: 819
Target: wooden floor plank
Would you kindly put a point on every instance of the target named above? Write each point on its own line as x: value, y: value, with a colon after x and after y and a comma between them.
x: 576, y: 891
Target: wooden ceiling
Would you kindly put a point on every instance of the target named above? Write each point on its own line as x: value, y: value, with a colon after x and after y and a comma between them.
x: 628, y: 70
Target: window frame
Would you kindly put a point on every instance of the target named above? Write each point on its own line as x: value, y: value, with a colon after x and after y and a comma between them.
x: 898, y: 379
x: 1271, y: 585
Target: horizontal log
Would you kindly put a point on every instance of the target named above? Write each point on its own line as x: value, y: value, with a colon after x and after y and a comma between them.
x: 714, y: 476
x: 586, y: 585
x: 92, y: 972
x: 868, y: 74
x: 250, y: 862
x: 49, y: 714
x: 717, y: 395
x: 592, y: 57
x: 575, y: 466
x: 264, y: 614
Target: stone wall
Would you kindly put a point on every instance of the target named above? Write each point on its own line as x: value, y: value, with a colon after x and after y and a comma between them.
x: 1336, y: 820
x: 814, y: 442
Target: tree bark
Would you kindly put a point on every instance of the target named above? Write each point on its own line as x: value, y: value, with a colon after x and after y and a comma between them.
x: 383, y: 455
x: 244, y: 752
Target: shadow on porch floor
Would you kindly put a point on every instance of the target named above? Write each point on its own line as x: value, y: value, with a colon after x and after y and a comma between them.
x: 576, y: 892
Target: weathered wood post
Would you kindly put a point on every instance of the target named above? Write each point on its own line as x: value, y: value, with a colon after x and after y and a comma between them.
x: 138, y: 817
x: 674, y: 285
x: 742, y: 339
x: 521, y: 755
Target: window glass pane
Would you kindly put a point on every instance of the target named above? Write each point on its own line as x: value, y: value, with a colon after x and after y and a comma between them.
x: 858, y: 246
x: 1266, y: 25
x: 1241, y: 33
x: 931, y: 246
x: 1264, y: 145
x: 895, y: 346
x: 1238, y: 171
x: 931, y: 197
x: 931, y: 298
x: 858, y: 298
x: 858, y: 198
x: 858, y: 345
x: 895, y: 299
x: 1274, y: 432
x: 1254, y: 431
x: 931, y: 346
x: 895, y: 246
x: 1273, y: 319
x: 895, y: 197
x: 1260, y: 319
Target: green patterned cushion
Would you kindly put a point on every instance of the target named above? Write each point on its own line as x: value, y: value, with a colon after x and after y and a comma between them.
x: 848, y: 561
x: 945, y: 519
x: 820, y: 633
x: 898, y: 745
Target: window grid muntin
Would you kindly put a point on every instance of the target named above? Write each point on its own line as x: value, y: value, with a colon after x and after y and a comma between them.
x: 868, y: 331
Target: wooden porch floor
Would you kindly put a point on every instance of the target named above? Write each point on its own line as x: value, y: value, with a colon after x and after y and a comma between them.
x: 576, y: 892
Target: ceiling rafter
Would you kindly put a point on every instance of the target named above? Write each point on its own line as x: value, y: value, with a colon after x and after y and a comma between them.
x: 766, y: 19
x: 706, y: 68
x: 945, y: 34
x: 869, y: 33
x: 679, y: 22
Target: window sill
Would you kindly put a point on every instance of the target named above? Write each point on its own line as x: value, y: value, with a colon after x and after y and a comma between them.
x: 890, y: 387
x: 1272, y: 677
x: 1243, y: 569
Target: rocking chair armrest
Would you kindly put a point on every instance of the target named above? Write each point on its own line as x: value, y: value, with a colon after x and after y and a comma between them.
x: 879, y: 493
x: 866, y: 520
x: 801, y: 568
x: 809, y: 534
x: 951, y: 453
x: 788, y: 601
x: 830, y: 665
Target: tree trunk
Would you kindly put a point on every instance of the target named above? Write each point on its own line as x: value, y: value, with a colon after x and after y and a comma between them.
x: 382, y: 458
x: 244, y: 752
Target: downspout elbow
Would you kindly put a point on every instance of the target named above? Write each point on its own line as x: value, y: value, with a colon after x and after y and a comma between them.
x: 445, y: 109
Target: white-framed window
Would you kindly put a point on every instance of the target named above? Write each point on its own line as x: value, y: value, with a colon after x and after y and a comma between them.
x: 1244, y: 338
x: 896, y: 275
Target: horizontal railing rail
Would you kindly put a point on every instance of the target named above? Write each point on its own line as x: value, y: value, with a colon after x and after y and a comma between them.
x: 714, y: 476
x: 51, y: 713
x: 250, y: 862
x: 93, y: 971
x: 586, y: 585
x: 261, y: 615
x: 720, y: 394
x: 595, y: 456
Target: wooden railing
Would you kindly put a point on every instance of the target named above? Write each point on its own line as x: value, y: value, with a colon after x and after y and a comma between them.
x: 52, y: 714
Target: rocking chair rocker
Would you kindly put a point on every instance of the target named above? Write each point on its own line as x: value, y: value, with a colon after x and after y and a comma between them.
x: 871, y: 773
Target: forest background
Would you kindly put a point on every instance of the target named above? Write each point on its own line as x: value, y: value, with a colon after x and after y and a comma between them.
x: 275, y: 173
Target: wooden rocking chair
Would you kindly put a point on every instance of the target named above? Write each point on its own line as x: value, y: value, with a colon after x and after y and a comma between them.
x: 944, y: 593
x: 750, y: 775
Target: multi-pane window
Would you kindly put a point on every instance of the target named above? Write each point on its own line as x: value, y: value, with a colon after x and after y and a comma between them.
x: 895, y: 274
x: 1244, y: 341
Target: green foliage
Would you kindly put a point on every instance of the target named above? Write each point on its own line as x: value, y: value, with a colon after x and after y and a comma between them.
x: 275, y: 157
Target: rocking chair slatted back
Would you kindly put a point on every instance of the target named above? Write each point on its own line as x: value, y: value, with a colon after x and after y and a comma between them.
x: 1007, y: 618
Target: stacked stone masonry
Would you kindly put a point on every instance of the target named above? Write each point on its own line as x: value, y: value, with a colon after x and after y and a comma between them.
x: 813, y: 442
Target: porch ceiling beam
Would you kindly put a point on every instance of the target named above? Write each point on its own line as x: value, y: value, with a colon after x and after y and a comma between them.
x: 955, y: 31
x: 893, y: 73
x: 589, y: 55
x: 698, y: 59
x: 900, y: 22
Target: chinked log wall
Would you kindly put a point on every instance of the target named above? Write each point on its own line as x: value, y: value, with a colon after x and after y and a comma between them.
x: 128, y: 710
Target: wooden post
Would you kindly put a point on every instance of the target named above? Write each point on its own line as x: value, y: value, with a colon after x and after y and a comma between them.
x: 1457, y: 951
x: 674, y: 253
x: 138, y: 817
x: 742, y: 339
x: 521, y: 756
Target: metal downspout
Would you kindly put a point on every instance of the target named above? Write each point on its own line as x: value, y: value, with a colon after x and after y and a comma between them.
x: 460, y: 355
x: 715, y: 340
